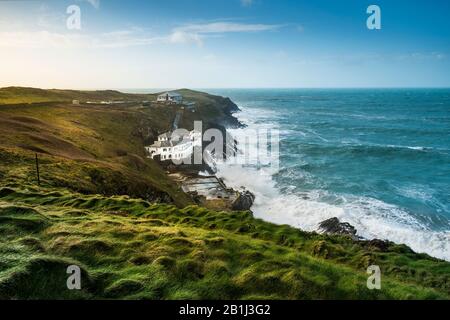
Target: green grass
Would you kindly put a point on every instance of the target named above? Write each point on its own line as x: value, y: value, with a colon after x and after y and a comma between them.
x: 88, y: 149
x: 18, y: 95
x: 133, y: 249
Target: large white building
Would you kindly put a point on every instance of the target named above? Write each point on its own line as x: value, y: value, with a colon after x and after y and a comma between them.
x: 170, y: 97
x: 172, y: 146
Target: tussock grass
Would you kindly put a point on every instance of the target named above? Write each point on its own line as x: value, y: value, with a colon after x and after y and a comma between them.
x: 132, y: 249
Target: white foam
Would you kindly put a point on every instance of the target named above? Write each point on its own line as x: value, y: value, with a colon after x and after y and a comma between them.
x: 371, y: 217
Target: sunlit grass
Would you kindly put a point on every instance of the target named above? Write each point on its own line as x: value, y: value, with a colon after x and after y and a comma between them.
x: 129, y: 248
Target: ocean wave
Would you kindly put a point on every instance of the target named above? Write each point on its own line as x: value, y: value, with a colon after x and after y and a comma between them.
x: 361, y: 149
x: 305, y: 210
x: 354, y: 115
x: 371, y: 217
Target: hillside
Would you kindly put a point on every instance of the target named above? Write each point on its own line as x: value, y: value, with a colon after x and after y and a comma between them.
x: 133, y: 249
x: 17, y: 95
x: 104, y: 206
x: 92, y: 148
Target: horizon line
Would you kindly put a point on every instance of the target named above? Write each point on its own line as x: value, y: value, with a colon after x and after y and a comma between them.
x: 227, y: 88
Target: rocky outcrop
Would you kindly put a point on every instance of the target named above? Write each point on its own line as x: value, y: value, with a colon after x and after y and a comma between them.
x: 376, y: 245
x: 244, y: 201
x: 334, y: 226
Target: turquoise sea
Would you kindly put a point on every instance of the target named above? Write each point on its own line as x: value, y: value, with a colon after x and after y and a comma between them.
x: 377, y: 158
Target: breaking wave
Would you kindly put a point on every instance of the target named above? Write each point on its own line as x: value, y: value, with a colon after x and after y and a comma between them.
x: 305, y: 209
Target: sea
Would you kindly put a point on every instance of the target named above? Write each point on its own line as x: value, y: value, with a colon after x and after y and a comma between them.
x: 376, y: 158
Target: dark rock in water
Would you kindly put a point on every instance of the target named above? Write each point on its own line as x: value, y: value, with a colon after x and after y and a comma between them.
x: 334, y: 226
x: 244, y: 201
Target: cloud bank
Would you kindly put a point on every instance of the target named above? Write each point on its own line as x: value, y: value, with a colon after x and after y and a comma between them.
x: 192, y: 33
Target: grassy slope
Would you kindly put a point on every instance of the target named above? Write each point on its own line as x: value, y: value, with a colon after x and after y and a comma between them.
x: 130, y: 248
x: 15, y: 95
x: 91, y: 149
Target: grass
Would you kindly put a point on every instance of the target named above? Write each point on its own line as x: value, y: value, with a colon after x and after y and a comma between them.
x: 18, y: 95
x: 133, y: 249
x: 88, y: 149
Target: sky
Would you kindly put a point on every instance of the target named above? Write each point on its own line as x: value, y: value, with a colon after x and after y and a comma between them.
x: 224, y: 44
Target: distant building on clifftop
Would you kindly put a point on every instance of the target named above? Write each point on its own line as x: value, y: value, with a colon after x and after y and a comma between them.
x: 170, y: 97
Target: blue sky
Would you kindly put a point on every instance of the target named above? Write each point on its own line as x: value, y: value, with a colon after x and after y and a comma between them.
x: 224, y: 43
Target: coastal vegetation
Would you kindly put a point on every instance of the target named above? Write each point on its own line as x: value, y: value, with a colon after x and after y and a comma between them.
x: 102, y: 205
x: 131, y: 248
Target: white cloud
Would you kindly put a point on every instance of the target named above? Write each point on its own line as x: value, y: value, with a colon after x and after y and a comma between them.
x: 185, y: 37
x: 46, y: 39
x: 196, y: 32
x: 222, y: 27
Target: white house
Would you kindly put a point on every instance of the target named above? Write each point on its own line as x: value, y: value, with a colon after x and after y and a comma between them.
x: 170, y: 97
x: 171, y: 146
